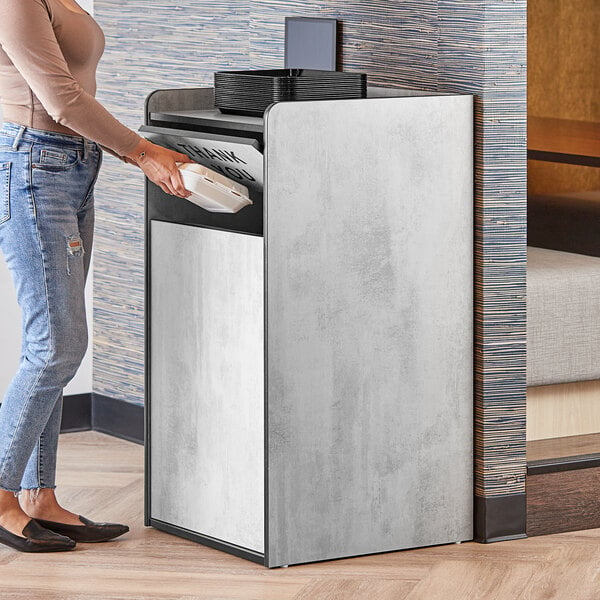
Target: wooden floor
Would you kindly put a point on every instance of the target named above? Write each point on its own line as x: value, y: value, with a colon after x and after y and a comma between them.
x: 102, y: 477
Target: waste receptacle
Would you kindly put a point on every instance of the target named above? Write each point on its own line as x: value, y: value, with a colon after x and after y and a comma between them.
x: 309, y: 358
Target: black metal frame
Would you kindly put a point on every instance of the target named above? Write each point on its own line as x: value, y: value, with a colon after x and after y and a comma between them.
x: 206, y: 540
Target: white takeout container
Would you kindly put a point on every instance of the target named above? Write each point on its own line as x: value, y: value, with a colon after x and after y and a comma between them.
x: 211, y: 190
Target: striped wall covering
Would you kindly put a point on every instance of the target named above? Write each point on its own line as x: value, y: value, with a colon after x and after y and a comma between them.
x: 501, y: 215
x: 149, y: 45
x: 474, y: 46
x: 483, y: 51
x: 394, y: 42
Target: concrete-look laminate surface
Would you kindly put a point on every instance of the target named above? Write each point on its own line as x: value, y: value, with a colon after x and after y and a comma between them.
x: 206, y: 444
x: 369, y: 222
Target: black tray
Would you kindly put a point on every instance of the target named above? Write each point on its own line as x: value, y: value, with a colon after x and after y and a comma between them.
x: 251, y: 92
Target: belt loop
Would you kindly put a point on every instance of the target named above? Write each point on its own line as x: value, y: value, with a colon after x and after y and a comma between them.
x: 85, y: 149
x: 18, y: 137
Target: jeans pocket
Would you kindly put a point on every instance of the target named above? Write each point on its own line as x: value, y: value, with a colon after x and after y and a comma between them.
x: 5, y: 191
x: 54, y: 158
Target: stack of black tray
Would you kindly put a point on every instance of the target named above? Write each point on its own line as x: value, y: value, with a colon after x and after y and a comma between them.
x: 251, y: 92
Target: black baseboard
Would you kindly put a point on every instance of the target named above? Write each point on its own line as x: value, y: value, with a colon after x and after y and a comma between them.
x: 77, y: 413
x: 500, y: 518
x: 84, y: 412
x: 118, y: 418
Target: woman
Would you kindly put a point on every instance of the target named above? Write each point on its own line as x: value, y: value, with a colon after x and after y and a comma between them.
x: 49, y: 161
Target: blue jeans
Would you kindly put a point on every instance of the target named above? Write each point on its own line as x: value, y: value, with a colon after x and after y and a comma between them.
x: 46, y: 231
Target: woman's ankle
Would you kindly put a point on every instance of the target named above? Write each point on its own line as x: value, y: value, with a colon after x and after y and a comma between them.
x: 37, y: 501
x: 12, y: 517
x: 42, y: 504
x: 8, y: 501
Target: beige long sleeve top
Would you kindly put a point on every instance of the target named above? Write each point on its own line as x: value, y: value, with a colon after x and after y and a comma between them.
x: 48, y: 60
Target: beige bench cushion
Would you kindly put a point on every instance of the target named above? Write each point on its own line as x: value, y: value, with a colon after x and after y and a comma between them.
x: 563, y: 317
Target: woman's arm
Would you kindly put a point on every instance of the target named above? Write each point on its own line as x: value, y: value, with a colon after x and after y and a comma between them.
x: 27, y: 37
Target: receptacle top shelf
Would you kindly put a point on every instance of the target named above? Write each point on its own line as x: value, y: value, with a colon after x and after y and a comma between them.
x: 210, y: 118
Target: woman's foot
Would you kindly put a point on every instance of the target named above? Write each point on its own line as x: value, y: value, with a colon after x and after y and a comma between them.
x: 19, y: 531
x: 36, y: 538
x: 86, y: 531
x: 43, y: 506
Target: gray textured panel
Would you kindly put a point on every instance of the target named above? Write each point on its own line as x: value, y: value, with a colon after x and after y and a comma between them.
x: 369, y: 279
x: 563, y: 343
x: 207, y: 370
x: 180, y: 99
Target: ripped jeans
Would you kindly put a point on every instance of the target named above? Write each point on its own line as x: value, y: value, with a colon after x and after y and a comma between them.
x: 46, y: 231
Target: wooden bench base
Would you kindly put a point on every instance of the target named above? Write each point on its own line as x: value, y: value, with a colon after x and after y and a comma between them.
x: 563, y: 501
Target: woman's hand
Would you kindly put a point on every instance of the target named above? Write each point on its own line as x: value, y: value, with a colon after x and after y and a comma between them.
x: 159, y: 165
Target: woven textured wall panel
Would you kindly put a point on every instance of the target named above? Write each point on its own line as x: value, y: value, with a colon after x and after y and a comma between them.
x: 472, y: 46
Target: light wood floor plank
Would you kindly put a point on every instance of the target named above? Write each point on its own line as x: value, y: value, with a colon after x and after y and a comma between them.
x: 114, y: 581
x: 484, y: 580
x: 102, y: 477
x: 477, y: 580
x: 355, y: 589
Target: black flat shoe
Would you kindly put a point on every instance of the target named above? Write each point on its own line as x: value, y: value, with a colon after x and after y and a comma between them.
x: 37, y: 539
x: 88, y: 532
